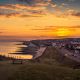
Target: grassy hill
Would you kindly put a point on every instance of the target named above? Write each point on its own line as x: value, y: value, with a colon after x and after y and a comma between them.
x: 50, y: 66
x: 53, y: 56
x: 37, y: 71
x: 45, y: 72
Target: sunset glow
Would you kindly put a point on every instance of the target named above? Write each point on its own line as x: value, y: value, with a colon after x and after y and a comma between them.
x: 63, y: 32
x: 38, y: 19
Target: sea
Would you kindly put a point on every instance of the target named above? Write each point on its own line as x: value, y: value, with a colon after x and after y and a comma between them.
x: 8, y: 49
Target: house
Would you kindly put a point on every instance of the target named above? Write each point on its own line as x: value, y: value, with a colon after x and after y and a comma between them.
x: 53, y: 44
x: 42, y: 45
x: 31, y: 45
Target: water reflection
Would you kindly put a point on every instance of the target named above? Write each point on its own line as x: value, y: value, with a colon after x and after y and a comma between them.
x: 8, y: 48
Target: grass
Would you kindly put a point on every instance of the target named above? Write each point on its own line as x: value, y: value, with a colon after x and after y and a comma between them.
x: 53, y: 56
x: 45, y: 72
x: 50, y: 67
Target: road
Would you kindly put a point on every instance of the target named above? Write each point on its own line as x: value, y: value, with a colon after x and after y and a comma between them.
x: 39, y: 52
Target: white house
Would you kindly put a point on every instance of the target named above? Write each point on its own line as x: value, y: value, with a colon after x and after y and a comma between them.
x: 53, y: 44
x: 31, y: 45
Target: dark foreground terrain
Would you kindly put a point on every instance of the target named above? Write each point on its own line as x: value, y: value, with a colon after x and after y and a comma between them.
x: 36, y: 71
x: 49, y: 66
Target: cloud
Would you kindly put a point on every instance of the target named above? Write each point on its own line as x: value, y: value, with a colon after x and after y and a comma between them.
x: 1, y: 32
x: 43, y: 29
x: 18, y: 7
x: 71, y: 0
x: 31, y: 8
x: 53, y: 28
x: 72, y: 13
x: 21, y: 15
x: 35, y: 8
x: 46, y: 28
x: 23, y: 10
x: 77, y: 26
x: 33, y: 2
x: 19, y: 10
x: 76, y: 14
x: 39, y: 3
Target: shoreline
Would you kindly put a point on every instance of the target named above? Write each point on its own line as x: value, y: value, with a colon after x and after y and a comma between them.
x: 20, y: 52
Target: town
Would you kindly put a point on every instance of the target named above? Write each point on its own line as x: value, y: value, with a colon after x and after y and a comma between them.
x: 70, y: 47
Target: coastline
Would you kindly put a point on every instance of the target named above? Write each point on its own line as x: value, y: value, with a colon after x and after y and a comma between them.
x: 20, y: 51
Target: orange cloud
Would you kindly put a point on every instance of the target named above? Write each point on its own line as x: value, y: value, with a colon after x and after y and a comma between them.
x: 71, y: 12
x: 22, y: 10
x: 40, y: 7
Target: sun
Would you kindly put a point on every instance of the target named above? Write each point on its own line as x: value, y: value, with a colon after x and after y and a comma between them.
x: 62, y: 32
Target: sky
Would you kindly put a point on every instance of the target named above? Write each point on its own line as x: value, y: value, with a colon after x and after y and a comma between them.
x: 39, y: 19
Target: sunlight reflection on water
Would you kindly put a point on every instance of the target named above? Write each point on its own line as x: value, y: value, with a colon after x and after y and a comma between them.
x: 7, y: 48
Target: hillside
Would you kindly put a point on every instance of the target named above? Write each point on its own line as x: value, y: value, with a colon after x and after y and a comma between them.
x: 54, y: 56
x: 50, y: 66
